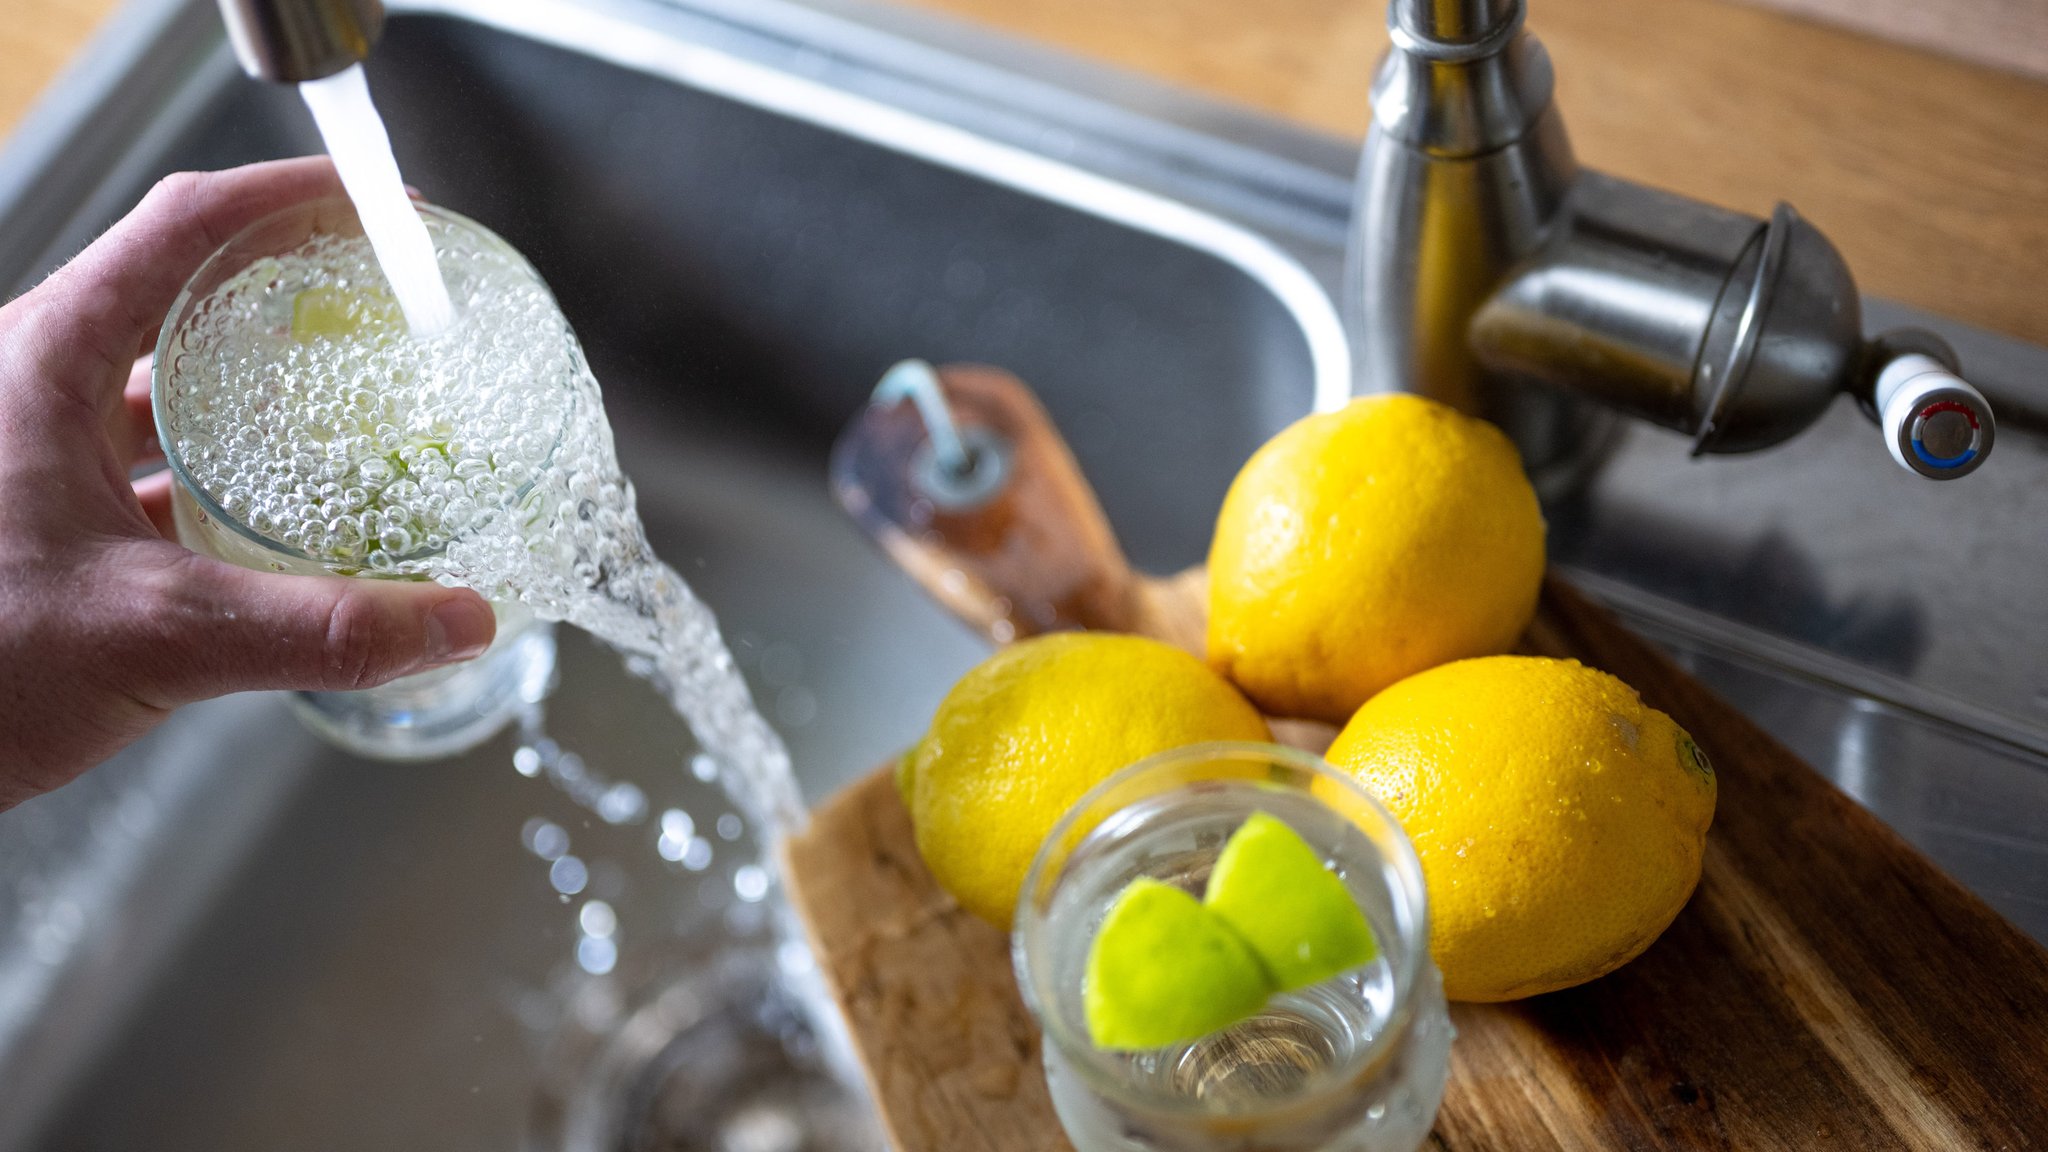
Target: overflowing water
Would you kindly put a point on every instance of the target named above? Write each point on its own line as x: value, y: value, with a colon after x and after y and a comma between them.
x: 361, y: 149
x: 479, y: 457
x: 412, y: 403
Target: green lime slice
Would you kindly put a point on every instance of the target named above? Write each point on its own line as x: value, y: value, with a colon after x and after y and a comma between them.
x: 330, y: 313
x: 1163, y: 970
x: 1297, y: 916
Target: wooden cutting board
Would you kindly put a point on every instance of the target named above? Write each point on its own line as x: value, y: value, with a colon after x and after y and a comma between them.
x: 1826, y: 987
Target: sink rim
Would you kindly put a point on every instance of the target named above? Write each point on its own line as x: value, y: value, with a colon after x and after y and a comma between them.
x: 721, y: 62
x: 886, y: 95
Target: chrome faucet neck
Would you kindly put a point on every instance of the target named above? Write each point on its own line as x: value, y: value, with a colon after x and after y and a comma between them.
x: 1486, y: 268
x: 1487, y: 94
x: 1453, y: 31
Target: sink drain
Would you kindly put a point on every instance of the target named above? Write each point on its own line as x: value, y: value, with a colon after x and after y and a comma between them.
x: 722, y: 1061
x: 745, y: 1077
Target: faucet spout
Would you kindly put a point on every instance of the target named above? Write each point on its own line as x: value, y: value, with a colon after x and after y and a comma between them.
x: 1487, y: 269
x: 293, y: 41
x: 1448, y: 28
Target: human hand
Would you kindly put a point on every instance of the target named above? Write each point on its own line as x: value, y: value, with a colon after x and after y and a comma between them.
x: 106, y: 623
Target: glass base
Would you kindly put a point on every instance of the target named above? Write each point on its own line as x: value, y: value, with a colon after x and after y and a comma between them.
x: 1267, y: 1058
x: 440, y: 713
x: 724, y: 1059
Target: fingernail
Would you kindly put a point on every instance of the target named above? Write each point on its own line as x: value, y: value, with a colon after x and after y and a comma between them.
x: 459, y: 629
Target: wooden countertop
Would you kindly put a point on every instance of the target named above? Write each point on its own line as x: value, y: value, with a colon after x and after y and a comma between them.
x: 36, y: 39
x: 1931, y: 174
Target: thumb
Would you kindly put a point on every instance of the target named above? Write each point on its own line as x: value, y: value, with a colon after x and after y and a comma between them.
x: 247, y: 631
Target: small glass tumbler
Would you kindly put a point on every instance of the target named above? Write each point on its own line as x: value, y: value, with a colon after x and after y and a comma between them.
x: 440, y: 712
x: 1356, y: 1063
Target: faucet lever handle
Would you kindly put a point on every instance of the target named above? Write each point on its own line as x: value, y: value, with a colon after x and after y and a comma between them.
x: 1935, y: 422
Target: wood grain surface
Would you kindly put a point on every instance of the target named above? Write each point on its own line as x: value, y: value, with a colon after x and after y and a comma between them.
x: 37, y: 38
x: 1826, y: 987
x: 2003, y: 33
x: 1931, y: 174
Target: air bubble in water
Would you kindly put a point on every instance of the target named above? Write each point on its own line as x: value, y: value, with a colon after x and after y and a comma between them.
x: 480, y: 458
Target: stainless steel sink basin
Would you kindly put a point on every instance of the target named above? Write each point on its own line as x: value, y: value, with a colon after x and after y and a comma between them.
x: 233, y: 937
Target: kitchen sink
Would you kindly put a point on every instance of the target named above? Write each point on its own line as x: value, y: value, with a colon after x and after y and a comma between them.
x: 235, y: 937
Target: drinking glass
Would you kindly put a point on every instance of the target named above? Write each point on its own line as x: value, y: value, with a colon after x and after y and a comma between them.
x: 1354, y: 1064
x: 439, y: 712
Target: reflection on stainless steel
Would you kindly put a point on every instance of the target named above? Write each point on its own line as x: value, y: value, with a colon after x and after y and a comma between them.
x: 1487, y: 269
x: 1465, y: 166
x: 1972, y: 803
x: 293, y: 41
x: 750, y: 209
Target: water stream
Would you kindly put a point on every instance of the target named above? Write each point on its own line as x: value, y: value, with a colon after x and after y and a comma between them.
x: 361, y: 149
x: 461, y: 436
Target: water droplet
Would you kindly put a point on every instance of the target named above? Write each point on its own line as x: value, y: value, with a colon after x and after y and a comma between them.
x: 597, y: 955
x: 677, y: 825
x: 697, y: 854
x: 597, y: 919
x: 750, y: 881
x: 568, y: 875
x: 544, y: 838
x: 622, y: 803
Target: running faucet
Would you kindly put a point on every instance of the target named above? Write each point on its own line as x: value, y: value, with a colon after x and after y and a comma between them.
x: 1488, y: 269
x: 293, y: 41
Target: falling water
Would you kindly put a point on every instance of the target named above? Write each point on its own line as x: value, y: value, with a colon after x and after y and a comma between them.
x: 361, y: 149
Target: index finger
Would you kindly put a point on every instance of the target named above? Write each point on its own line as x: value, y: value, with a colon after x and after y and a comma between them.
x: 116, y: 291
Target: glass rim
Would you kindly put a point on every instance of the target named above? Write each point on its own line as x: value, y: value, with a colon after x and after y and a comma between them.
x: 1407, y: 960
x: 167, y: 334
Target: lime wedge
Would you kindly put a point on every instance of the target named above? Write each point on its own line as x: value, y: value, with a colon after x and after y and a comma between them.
x: 329, y: 313
x: 1296, y: 915
x: 1163, y: 969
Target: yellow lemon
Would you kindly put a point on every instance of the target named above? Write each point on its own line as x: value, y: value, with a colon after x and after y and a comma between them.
x: 1367, y: 544
x: 1559, y: 819
x: 1021, y: 737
